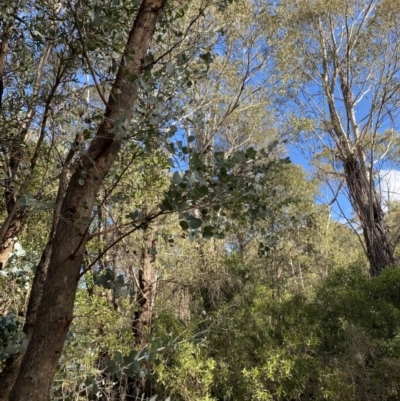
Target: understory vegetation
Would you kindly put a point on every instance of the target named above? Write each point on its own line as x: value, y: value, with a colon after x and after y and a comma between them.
x: 199, y: 200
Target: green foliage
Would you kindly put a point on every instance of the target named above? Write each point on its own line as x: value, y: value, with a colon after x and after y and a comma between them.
x: 187, y: 374
x: 256, y: 293
x: 11, y: 337
x: 96, y: 336
x: 342, y: 344
x: 239, y: 182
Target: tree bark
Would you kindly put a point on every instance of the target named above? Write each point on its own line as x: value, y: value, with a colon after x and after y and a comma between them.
x: 144, y: 299
x: 5, y: 38
x: 364, y: 200
x: 7, y: 244
x: 336, y: 72
x: 54, y: 314
x: 141, y: 324
x: 9, y: 373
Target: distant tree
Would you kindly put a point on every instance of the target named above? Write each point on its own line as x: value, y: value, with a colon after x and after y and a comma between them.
x: 341, y: 61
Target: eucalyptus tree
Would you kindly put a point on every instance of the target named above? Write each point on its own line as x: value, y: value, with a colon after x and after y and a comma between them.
x: 221, y: 106
x: 341, y: 61
x: 41, y: 77
x: 55, y: 311
x: 229, y: 109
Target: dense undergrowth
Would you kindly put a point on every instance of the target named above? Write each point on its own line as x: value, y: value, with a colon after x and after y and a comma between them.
x: 340, y: 343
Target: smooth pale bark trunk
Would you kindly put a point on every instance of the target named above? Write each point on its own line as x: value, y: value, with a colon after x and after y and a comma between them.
x: 369, y: 210
x: 5, y: 252
x: 54, y: 314
x: 11, y: 228
x: 5, y: 38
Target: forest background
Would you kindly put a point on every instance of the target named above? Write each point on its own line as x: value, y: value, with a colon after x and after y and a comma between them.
x: 199, y: 200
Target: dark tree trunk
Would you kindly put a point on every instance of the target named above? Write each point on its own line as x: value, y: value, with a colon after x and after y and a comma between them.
x: 368, y: 208
x: 144, y: 299
x: 112, y: 388
x: 13, y: 223
x: 54, y: 314
x: 141, y: 324
x: 10, y: 371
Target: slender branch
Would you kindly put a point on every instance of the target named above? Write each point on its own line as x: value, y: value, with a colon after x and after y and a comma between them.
x: 173, y: 47
x: 86, y: 56
x: 35, y: 156
x: 109, y: 230
x: 135, y: 228
x: 117, y: 181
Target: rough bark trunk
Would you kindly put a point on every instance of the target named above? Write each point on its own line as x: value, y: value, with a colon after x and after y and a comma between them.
x: 111, y: 390
x: 10, y: 371
x: 54, y: 314
x: 144, y: 299
x: 141, y: 324
x: 9, y: 374
x: 349, y: 135
x: 368, y: 207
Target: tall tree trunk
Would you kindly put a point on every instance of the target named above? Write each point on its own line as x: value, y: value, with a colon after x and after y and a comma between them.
x: 9, y: 373
x: 368, y: 208
x: 145, y: 295
x: 141, y: 325
x: 336, y: 70
x: 361, y: 185
x: 8, y: 27
x: 54, y: 315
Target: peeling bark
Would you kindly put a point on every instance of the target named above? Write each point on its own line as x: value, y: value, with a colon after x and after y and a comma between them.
x: 337, y: 72
x: 375, y: 231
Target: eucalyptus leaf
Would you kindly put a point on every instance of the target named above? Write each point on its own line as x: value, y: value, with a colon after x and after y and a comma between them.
x: 194, y: 222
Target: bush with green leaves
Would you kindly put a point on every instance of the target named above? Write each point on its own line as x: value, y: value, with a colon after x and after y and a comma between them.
x: 12, y: 339
x: 342, y: 343
x: 188, y: 375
